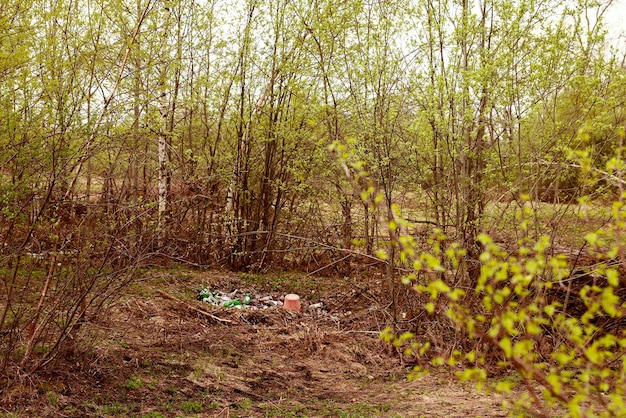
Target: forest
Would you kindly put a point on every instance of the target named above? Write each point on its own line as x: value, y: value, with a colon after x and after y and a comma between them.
x: 464, y: 160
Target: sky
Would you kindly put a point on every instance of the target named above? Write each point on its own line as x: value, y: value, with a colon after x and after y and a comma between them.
x: 616, y: 23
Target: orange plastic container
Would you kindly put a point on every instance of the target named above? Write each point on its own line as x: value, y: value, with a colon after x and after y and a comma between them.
x: 292, y: 302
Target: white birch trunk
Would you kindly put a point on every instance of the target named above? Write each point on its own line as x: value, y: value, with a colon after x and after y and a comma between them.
x: 163, y: 131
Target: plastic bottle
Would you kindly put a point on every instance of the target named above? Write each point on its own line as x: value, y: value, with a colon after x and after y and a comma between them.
x: 204, y: 294
x: 232, y: 303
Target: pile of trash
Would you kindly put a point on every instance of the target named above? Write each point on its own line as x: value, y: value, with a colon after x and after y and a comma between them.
x: 238, y: 300
x: 241, y: 300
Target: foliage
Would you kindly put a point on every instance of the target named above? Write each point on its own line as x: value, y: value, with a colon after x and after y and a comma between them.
x: 560, y: 330
x: 143, y: 132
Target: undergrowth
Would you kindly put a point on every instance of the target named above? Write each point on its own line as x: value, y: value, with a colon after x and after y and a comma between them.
x: 559, y: 328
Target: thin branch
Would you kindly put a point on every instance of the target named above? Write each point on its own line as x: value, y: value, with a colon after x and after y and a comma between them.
x: 107, y: 102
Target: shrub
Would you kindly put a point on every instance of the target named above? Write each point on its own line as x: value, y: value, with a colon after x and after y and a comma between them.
x: 559, y: 329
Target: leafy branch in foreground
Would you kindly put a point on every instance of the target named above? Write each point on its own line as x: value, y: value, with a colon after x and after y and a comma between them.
x: 562, y: 333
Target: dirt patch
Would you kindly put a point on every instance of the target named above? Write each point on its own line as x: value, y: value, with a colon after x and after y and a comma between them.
x: 156, y: 356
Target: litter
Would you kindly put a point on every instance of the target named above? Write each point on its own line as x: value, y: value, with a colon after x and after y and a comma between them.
x: 292, y: 302
x: 230, y: 300
x: 240, y: 300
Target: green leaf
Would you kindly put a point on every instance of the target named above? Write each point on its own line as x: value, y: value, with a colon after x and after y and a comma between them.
x: 612, y: 277
x: 484, y: 239
x: 610, y: 302
x: 563, y: 358
x: 533, y: 328
x: 508, y: 322
x: 506, y: 346
x: 386, y: 334
x: 438, y: 361
x: 592, y: 354
x: 437, y: 286
x: 591, y: 238
x: 555, y: 383
x: 532, y: 266
x: 523, y: 348
x: 504, y: 387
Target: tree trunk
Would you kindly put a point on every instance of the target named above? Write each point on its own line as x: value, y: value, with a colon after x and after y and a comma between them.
x: 163, y: 137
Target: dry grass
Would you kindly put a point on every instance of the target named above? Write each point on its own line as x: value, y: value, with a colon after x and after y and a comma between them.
x: 153, y: 357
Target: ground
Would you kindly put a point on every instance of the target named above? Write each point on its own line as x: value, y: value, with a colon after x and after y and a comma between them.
x: 156, y: 353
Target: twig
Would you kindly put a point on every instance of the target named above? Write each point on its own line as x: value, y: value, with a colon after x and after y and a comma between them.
x: 226, y: 409
x: 35, y: 326
x: 191, y: 307
x: 314, y: 242
x: 107, y: 102
x: 328, y: 265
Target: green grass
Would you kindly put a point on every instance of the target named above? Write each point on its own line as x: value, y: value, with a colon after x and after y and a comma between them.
x: 153, y: 414
x: 244, y: 404
x: 514, y: 379
x: 286, y: 411
x: 53, y: 398
x: 327, y: 409
x: 134, y: 383
x: 116, y: 408
x: 359, y: 410
x: 191, y: 407
x: 213, y: 405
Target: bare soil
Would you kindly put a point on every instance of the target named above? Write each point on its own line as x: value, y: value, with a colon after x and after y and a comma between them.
x: 155, y: 356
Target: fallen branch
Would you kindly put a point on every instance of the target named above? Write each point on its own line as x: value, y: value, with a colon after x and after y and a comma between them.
x: 191, y: 307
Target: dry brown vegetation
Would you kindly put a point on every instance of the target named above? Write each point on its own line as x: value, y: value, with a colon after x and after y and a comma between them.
x: 152, y: 356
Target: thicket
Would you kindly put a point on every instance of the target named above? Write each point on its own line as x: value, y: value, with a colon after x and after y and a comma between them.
x: 560, y: 327
x: 138, y: 133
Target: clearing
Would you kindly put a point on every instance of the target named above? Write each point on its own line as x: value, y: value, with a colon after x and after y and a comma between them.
x: 154, y: 356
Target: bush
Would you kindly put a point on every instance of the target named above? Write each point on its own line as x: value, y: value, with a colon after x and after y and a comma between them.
x: 561, y: 330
